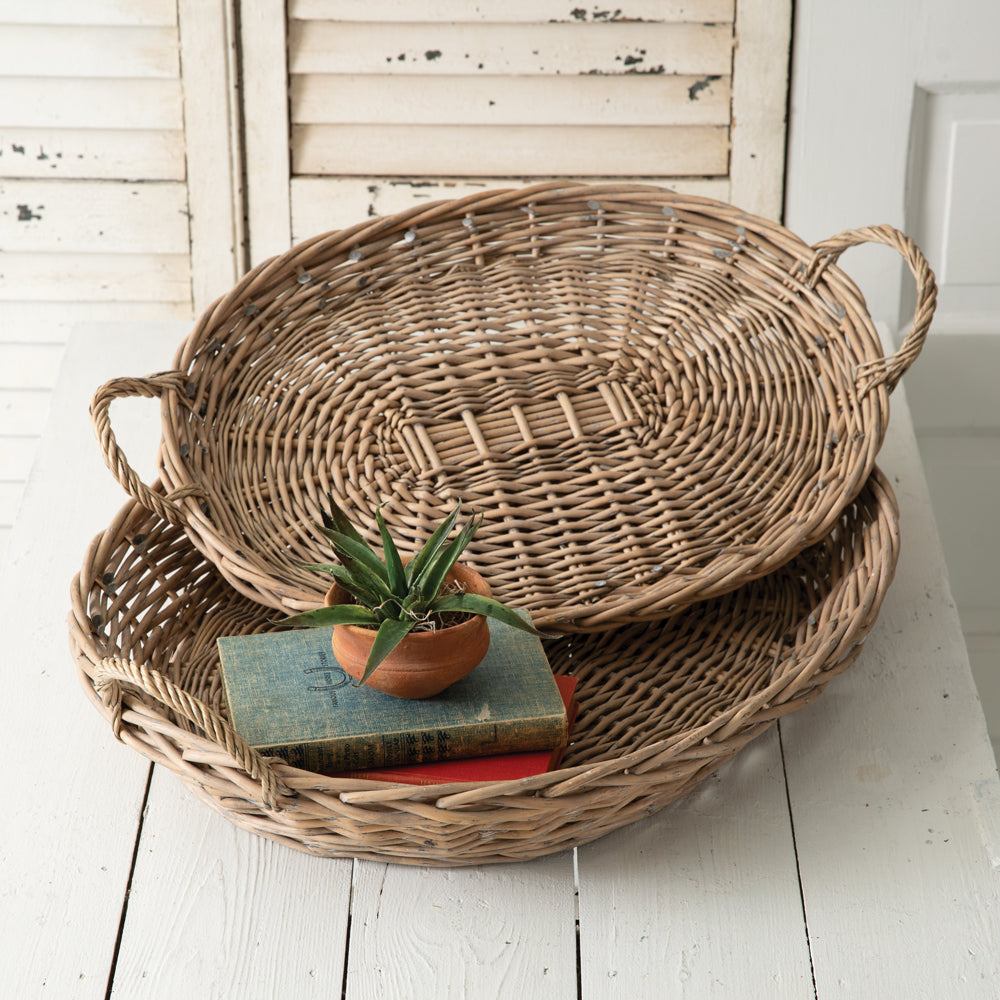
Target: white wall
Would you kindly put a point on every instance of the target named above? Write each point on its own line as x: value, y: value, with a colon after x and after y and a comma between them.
x: 881, y: 102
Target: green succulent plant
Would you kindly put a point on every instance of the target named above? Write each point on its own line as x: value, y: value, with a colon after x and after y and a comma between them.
x: 394, y: 598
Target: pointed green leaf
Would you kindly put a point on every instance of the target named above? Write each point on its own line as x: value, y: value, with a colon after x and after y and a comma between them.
x: 339, y: 521
x: 338, y: 614
x: 393, y: 562
x: 440, y: 566
x: 416, y: 566
x: 478, y: 605
x: 366, y: 595
x: 352, y: 554
x: 390, y: 634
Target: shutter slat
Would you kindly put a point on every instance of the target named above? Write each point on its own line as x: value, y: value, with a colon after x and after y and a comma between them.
x: 88, y: 216
x: 84, y: 51
x: 320, y: 204
x: 49, y: 102
x: 123, y: 154
x: 162, y: 13
x: 441, y: 150
x: 520, y: 11
x: 520, y: 100
x: 555, y: 49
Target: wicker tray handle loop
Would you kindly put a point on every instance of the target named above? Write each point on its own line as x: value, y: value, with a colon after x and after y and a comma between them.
x: 114, y: 672
x: 150, y: 387
x: 889, y: 370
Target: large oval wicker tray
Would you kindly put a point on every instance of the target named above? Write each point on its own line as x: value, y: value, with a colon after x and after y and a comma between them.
x: 653, y: 398
x: 662, y: 705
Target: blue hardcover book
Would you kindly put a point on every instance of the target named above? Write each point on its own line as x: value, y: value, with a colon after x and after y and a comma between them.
x: 288, y: 697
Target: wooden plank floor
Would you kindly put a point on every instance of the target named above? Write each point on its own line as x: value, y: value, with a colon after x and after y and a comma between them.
x: 851, y: 851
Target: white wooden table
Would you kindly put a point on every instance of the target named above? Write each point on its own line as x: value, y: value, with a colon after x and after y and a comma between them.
x: 854, y: 851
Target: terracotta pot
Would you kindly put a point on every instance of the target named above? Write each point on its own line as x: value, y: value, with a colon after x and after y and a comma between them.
x: 424, y: 663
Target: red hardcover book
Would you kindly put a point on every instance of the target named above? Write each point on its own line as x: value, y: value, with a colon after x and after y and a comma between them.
x: 500, y: 767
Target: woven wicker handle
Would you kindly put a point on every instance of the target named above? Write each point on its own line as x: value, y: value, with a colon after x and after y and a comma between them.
x: 889, y: 370
x: 152, y: 387
x: 114, y: 672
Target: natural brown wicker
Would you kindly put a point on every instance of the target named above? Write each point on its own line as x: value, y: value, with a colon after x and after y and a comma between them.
x: 662, y: 705
x: 653, y: 398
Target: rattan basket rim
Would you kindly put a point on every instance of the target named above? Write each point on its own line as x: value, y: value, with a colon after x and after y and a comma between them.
x: 654, y: 559
x: 445, y: 824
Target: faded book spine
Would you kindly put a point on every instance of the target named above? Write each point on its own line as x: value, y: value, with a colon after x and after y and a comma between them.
x: 354, y: 753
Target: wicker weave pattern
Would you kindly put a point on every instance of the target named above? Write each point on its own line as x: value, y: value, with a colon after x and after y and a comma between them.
x: 662, y: 704
x: 653, y: 398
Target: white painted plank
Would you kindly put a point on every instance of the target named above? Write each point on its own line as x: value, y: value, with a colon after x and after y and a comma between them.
x: 16, y: 456
x: 29, y: 366
x: 498, y: 100
x: 320, y: 204
x: 51, y: 322
x: 893, y: 789
x: 498, y: 11
x: 93, y: 217
x: 509, y: 150
x: 66, y: 277
x: 69, y: 834
x: 23, y: 412
x: 88, y: 51
x: 266, y: 128
x: 327, y: 46
x: 702, y: 899
x: 213, y: 904
x: 99, y: 12
x: 760, y: 90
x: 92, y: 153
x: 214, y: 169
x: 55, y: 103
x: 499, y: 931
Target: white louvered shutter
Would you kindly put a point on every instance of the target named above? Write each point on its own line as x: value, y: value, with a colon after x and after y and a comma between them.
x: 394, y: 101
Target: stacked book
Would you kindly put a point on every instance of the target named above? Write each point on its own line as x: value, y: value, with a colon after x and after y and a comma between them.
x: 287, y: 697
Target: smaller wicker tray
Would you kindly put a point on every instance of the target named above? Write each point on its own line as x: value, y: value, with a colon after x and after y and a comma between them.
x: 651, y: 398
x: 662, y: 705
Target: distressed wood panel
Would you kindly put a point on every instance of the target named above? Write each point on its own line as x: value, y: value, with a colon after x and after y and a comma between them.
x: 86, y: 51
x: 90, y: 153
x: 760, y: 85
x: 266, y: 127
x: 507, y: 150
x: 214, y: 157
x: 68, y: 277
x: 99, y: 12
x: 320, y: 204
x: 539, y: 11
x: 316, y: 46
x: 93, y: 217
x: 46, y: 102
x: 521, y: 100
